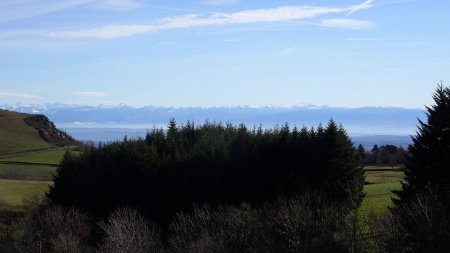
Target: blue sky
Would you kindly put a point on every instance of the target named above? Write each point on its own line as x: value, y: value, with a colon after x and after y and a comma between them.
x: 348, y: 53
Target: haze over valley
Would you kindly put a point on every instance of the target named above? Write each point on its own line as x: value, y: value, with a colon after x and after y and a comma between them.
x: 366, y: 125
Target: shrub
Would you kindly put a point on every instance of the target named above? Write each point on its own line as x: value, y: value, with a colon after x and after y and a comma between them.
x: 55, y: 229
x: 419, y: 225
x: 126, y: 230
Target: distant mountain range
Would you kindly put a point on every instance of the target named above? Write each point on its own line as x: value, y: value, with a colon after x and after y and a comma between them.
x: 115, y: 121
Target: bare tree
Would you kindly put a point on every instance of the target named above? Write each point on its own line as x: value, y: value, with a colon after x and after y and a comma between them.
x: 419, y: 225
x: 307, y: 223
x: 192, y: 232
x: 127, y: 231
x: 55, y: 229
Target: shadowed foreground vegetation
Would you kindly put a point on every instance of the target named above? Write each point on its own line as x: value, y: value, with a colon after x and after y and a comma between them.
x: 306, y: 223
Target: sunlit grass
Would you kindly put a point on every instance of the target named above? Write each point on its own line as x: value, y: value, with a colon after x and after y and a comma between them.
x: 14, y: 192
x: 52, y: 156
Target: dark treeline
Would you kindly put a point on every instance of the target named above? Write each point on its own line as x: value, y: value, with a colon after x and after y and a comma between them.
x: 383, y: 155
x: 212, y: 164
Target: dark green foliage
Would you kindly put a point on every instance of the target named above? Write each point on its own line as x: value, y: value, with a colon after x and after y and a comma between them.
x: 361, y: 152
x: 429, y: 159
x: 210, y: 164
x: 422, y: 214
x: 386, y: 155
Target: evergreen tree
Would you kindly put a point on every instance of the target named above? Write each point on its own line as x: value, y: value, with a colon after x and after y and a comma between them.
x: 340, y: 165
x: 362, y: 153
x: 421, y: 217
x: 428, y: 162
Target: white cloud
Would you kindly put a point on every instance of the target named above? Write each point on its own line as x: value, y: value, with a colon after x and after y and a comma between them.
x: 366, y: 5
x: 17, y: 95
x: 90, y: 94
x: 280, y: 14
x: 105, y: 32
x: 347, y: 23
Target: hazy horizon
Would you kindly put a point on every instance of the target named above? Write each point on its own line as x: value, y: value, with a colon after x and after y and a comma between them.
x: 105, y: 123
x: 299, y: 105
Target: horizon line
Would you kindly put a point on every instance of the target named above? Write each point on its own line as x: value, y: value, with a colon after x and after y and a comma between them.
x: 240, y: 106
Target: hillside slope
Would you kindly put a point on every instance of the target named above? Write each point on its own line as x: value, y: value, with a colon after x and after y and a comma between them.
x: 23, y: 132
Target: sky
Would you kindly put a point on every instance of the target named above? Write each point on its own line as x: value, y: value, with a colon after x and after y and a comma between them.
x: 347, y: 53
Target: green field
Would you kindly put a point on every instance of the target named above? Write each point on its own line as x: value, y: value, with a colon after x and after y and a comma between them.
x: 380, y: 182
x: 381, y: 177
x: 22, y: 176
x: 379, y: 196
x: 51, y: 156
x: 13, y: 192
x: 27, y: 172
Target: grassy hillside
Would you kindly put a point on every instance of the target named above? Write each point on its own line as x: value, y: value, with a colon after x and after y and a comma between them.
x: 31, y: 147
x: 16, y: 135
x: 21, y: 132
x: 50, y: 156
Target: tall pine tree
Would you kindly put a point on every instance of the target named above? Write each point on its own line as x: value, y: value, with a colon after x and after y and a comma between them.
x: 428, y: 164
x: 338, y: 165
x: 422, y: 214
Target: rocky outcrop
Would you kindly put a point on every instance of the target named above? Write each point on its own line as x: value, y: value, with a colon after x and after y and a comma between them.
x: 48, y: 131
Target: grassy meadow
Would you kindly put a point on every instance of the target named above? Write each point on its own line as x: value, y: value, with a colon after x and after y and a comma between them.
x: 27, y: 172
x: 14, y: 192
x: 380, y: 182
x: 26, y: 175
x: 50, y: 156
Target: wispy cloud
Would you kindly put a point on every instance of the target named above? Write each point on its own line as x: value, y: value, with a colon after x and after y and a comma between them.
x: 366, y: 5
x: 104, y: 32
x: 90, y: 94
x: 17, y: 95
x: 21, y: 9
x: 347, y: 23
x: 280, y: 14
